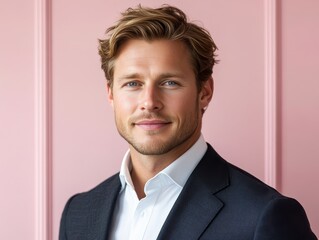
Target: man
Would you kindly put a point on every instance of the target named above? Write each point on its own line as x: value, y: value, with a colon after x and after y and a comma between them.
x: 172, y: 185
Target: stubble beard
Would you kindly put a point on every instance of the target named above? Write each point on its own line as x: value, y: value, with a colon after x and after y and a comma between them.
x: 173, y: 140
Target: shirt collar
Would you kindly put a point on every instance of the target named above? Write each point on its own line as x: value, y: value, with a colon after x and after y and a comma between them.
x: 178, y: 171
x: 126, y: 167
x: 182, y: 167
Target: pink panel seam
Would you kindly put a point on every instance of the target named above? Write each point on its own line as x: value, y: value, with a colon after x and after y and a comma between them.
x: 43, y: 123
x: 271, y: 140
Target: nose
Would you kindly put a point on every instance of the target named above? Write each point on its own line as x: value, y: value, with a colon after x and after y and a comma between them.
x: 151, y: 99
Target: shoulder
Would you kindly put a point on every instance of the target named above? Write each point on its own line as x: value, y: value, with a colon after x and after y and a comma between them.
x: 109, y: 185
x: 83, y: 203
x: 254, y: 204
x: 236, y: 180
x: 85, y: 209
x: 249, y: 184
x: 283, y: 218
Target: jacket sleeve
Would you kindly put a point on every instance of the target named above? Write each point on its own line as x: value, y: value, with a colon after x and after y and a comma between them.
x: 63, y: 222
x: 284, y: 219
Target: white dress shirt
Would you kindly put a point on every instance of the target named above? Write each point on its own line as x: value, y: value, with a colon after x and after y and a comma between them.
x: 136, y: 219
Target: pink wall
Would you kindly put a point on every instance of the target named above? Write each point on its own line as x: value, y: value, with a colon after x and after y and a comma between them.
x: 17, y: 219
x: 57, y: 131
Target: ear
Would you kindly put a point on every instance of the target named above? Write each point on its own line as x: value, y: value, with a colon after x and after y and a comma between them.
x: 109, y: 93
x: 206, y: 93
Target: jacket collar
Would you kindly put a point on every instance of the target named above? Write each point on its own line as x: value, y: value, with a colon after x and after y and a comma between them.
x: 197, y: 205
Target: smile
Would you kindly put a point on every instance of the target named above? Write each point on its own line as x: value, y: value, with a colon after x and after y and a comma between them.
x: 151, y: 124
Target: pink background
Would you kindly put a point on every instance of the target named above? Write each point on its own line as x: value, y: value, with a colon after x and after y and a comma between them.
x: 57, y: 135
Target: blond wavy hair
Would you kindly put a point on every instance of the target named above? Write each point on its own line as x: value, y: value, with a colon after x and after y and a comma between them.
x: 166, y: 22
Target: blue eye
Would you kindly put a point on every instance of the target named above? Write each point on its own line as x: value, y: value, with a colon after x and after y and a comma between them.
x: 171, y: 83
x: 132, y: 84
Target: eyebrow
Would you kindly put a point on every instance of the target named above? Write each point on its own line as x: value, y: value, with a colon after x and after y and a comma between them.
x: 130, y: 76
x: 170, y: 75
x: 161, y: 76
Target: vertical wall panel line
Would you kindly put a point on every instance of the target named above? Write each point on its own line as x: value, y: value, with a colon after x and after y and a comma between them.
x: 271, y: 140
x: 43, y: 120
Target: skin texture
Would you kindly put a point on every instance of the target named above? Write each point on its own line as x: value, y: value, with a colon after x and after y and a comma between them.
x: 157, y: 106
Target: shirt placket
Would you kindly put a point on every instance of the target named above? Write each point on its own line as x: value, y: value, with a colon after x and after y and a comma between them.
x: 142, y: 215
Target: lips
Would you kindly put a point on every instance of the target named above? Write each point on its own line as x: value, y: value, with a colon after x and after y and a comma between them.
x: 153, y: 124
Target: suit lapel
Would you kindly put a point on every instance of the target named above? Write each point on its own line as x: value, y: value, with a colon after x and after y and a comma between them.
x: 101, y: 209
x: 197, y: 206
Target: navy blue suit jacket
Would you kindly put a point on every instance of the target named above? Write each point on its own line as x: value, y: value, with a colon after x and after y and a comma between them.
x: 218, y: 202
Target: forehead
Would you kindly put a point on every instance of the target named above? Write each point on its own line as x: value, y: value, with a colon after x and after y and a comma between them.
x: 155, y: 55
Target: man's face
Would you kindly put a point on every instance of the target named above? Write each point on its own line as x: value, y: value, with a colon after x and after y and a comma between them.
x: 156, y: 102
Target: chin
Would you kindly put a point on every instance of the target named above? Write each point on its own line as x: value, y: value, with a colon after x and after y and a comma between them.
x: 152, y: 148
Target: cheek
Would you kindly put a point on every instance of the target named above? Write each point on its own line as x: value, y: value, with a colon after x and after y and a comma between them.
x: 185, y: 106
x: 124, y: 104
